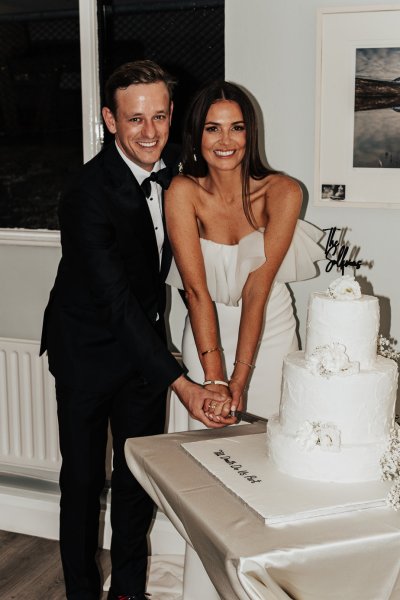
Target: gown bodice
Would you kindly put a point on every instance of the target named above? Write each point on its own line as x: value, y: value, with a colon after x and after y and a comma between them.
x: 228, y: 266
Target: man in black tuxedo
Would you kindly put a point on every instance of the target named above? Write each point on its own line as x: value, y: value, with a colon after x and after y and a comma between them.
x: 104, y: 331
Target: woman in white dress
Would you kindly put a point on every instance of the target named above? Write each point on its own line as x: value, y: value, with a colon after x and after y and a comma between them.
x: 236, y: 239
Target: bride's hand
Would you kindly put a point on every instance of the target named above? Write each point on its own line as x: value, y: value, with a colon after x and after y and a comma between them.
x: 236, y: 389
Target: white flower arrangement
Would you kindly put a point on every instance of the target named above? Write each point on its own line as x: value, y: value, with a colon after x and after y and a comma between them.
x: 393, y: 497
x: 385, y: 348
x: 390, y: 465
x: 331, y: 360
x: 314, y: 433
x: 344, y: 288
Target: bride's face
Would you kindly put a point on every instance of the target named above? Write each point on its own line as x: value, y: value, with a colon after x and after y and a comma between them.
x: 223, y: 143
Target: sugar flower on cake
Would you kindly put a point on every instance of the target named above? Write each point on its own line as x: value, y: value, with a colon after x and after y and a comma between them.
x: 329, y: 437
x: 307, y: 435
x: 331, y: 360
x: 325, y: 435
x: 344, y: 288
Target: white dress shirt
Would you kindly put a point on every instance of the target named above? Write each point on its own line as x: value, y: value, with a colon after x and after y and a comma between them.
x: 154, y: 202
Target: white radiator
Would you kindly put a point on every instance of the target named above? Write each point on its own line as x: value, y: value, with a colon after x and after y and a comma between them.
x: 29, y: 447
x: 28, y: 410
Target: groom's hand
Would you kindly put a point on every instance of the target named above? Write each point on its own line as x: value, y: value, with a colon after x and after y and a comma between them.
x: 197, y: 400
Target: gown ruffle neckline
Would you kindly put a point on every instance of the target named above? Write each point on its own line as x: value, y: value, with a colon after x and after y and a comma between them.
x: 228, y: 266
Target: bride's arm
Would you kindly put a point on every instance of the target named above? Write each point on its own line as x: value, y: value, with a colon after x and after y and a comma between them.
x: 181, y: 219
x: 282, y: 205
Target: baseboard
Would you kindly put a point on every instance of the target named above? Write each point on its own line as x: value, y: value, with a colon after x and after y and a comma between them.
x: 29, y: 511
x: 36, y: 511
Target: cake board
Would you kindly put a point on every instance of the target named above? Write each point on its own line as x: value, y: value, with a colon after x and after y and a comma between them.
x: 241, y: 465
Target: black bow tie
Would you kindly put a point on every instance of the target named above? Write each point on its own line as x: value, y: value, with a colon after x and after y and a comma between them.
x: 162, y: 177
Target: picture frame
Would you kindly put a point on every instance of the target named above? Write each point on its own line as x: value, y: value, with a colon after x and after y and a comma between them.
x: 357, y: 153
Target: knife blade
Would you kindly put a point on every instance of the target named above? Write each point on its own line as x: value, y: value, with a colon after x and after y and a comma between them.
x: 243, y: 415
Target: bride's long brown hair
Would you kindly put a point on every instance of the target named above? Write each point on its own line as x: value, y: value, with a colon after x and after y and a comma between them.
x: 192, y: 159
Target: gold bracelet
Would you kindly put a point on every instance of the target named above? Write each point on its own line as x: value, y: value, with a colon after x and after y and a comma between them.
x: 243, y: 362
x: 210, y: 350
x: 216, y: 382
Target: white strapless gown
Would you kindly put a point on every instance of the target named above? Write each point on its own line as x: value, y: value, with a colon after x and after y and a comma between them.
x: 227, y: 268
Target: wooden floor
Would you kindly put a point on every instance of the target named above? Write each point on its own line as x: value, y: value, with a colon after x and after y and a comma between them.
x: 30, y: 568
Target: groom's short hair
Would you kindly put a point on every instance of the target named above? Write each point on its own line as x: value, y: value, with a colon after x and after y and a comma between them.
x: 133, y: 73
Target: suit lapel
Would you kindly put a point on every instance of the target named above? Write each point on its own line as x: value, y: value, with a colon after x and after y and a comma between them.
x: 166, y: 253
x: 127, y: 193
x: 170, y: 156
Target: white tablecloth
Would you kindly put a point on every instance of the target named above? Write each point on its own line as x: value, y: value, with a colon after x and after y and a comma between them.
x: 355, y: 556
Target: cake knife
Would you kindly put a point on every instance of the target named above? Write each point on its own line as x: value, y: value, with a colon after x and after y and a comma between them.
x: 243, y: 415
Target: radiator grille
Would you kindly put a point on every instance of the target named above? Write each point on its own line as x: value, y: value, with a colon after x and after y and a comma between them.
x: 28, y: 411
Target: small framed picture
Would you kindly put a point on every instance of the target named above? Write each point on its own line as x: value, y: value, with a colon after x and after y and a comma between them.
x: 331, y: 191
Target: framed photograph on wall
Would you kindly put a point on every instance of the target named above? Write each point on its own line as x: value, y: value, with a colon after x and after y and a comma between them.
x: 357, y: 161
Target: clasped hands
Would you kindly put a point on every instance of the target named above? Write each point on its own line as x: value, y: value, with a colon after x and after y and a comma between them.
x: 213, y: 405
x: 223, y: 411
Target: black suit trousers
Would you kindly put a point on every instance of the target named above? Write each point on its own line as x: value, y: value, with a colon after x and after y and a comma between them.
x: 132, y: 410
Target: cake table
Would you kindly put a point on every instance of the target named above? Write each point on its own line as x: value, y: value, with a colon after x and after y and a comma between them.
x: 348, y: 556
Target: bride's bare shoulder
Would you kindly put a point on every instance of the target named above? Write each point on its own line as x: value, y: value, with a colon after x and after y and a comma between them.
x: 182, y: 195
x: 275, y: 185
x: 182, y: 183
x: 279, y: 184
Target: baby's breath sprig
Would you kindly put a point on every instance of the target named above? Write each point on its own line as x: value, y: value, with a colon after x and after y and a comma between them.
x: 386, y: 348
x: 393, y: 497
x: 390, y: 466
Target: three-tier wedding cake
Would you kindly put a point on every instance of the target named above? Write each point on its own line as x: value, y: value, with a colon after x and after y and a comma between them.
x: 338, y: 396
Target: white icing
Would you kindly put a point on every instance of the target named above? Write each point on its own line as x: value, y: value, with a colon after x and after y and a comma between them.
x: 353, y: 323
x: 352, y: 463
x: 360, y: 405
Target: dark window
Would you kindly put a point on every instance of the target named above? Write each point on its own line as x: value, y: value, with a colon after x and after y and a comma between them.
x: 40, y: 109
x: 40, y: 91
x: 184, y: 36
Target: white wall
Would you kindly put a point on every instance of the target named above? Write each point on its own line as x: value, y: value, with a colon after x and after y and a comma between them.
x: 271, y: 50
x: 26, y: 275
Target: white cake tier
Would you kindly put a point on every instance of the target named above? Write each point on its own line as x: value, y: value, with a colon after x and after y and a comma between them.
x: 360, y: 406
x: 353, y: 323
x: 352, y: 463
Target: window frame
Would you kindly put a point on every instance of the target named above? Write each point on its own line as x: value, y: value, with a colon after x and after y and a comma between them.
x: 92, y: 125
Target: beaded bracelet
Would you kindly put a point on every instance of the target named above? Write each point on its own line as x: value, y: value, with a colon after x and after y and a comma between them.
x: 243, y: 362
x: 215, y: 382
x: 210, y: 350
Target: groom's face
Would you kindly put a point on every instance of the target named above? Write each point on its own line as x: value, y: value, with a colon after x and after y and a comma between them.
x: 142, y: 121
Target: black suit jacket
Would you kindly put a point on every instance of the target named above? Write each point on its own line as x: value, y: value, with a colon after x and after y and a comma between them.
x: 100, y: 325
